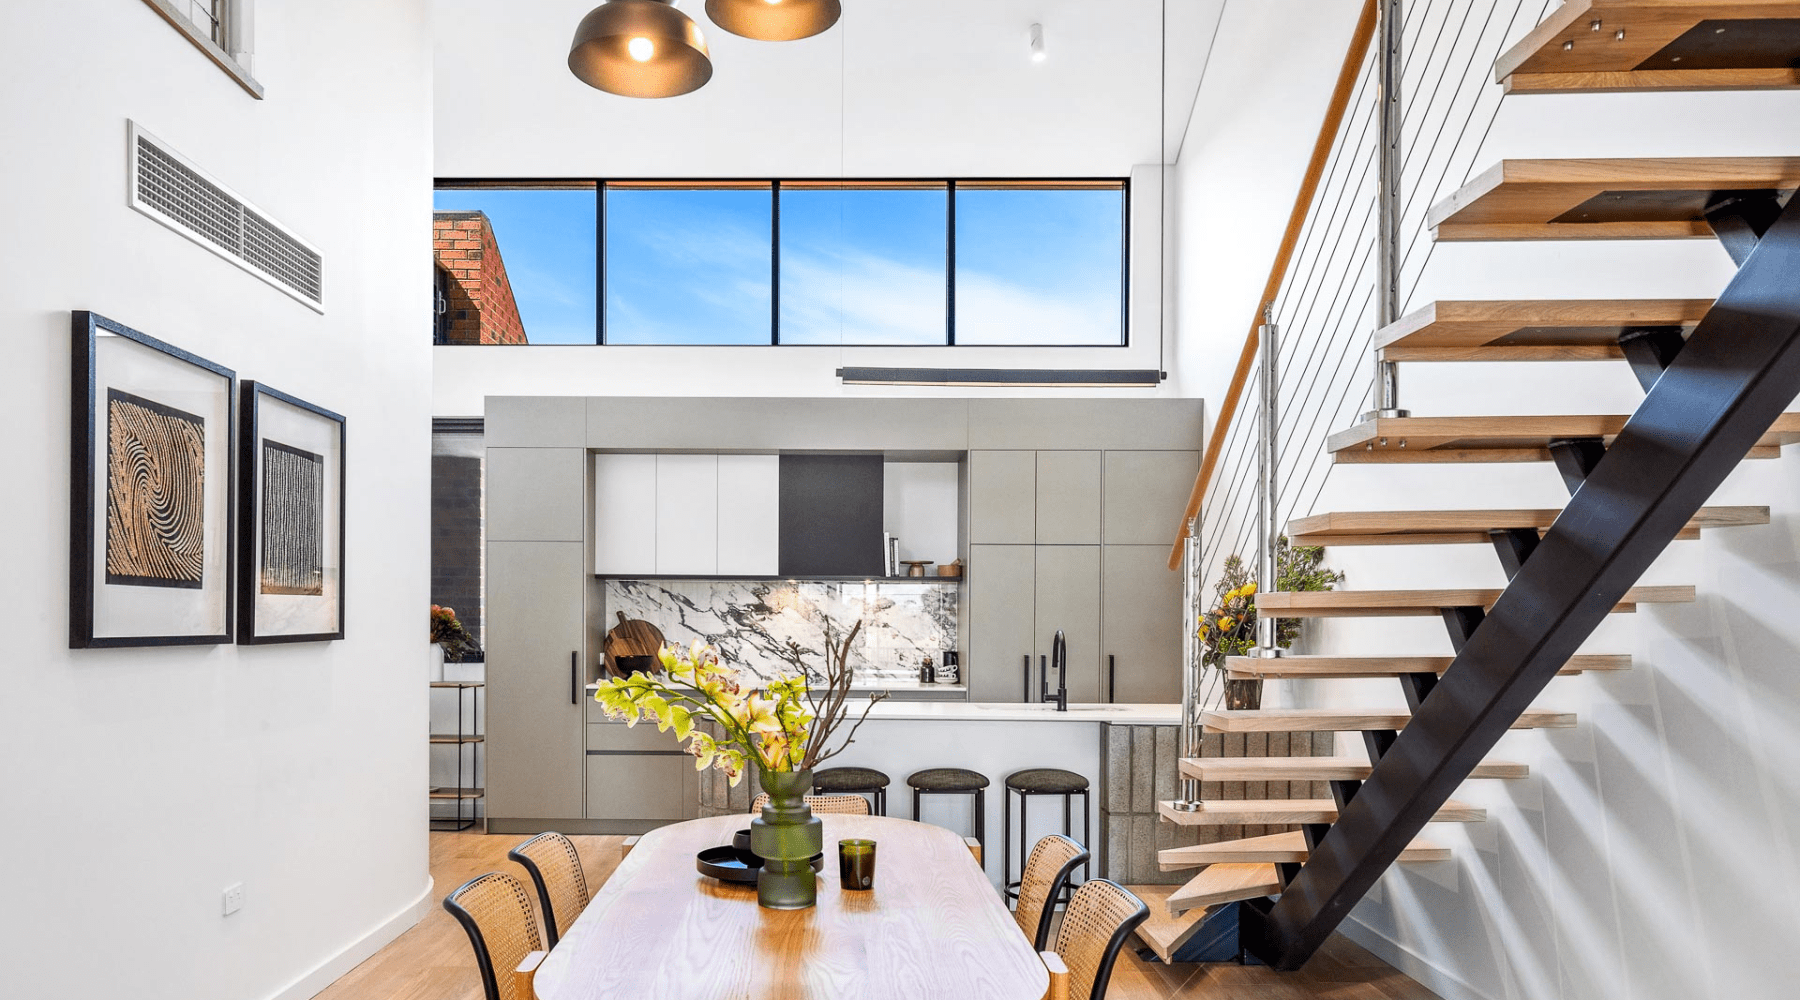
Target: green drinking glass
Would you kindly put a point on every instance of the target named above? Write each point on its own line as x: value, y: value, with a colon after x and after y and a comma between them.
x: 856, y: 864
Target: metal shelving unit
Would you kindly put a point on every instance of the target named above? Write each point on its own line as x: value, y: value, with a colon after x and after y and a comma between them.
x: 461, y: 791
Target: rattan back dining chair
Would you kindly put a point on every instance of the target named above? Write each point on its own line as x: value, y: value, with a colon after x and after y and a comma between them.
x: 843, y: 805
x: 1095, y: 924
x: 496, y: 912
x: 555, y: 868
x: 1041, y: 885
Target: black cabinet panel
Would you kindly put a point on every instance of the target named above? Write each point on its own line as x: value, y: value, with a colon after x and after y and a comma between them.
x: 831, y: 515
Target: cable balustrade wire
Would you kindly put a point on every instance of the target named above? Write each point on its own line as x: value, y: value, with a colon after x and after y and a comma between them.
x: 1324, y: 303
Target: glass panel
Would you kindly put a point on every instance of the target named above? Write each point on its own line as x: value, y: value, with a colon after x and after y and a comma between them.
x: 863, y: 265
x: 520, y: 265
x: 688, y: 265
x: 1040, y: 265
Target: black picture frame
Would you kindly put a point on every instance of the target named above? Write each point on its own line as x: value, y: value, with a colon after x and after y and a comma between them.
x: 253, y: 447
x: 95, y: 620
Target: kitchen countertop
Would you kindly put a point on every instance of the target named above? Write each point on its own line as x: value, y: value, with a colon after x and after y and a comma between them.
x: 968, y: 711
x: 965, y: 711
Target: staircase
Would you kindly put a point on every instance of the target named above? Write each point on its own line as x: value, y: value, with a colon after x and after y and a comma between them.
x: 1716, y: 376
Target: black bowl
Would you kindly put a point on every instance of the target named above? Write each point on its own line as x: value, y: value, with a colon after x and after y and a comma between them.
x: 728, y: 864
x: 629, y: 665
x: 741, y: 840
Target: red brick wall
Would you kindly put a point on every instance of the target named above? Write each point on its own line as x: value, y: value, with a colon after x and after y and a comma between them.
x: 482, y: 309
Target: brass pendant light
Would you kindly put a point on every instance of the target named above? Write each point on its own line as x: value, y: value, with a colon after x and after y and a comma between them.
x: 640, y: 48
x: 774, y: 20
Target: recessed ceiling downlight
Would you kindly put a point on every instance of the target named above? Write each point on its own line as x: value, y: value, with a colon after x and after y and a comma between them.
x: 640, y: 48
x: 774, y: 20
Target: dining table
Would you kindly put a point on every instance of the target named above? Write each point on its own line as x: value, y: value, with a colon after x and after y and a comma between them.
x: 932, y: 928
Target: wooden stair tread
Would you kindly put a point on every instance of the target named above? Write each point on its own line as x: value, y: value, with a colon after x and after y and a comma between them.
x: 1453, y: 527
x: 1602, y: 199
x: 1341, y: 720
x: 1426, y: 603
x: 1328, y: 667
x: 1274, y: 812
x: 1215, y: 885
x: 1166, y: 930
x: 1312, y: 769
x: 1528, y: 330
x: 1655, y: 32
x: 1390, y: 440
x: 1277, y: 848
x: 453, y: 738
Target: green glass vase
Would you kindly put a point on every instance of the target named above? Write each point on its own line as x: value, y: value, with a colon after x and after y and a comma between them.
x: 787, y: 836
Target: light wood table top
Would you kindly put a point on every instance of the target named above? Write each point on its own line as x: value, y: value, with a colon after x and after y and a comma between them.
x: 933, y: 927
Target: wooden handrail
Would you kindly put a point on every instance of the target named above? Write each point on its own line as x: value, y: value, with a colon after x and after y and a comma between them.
x: 1309, y: 185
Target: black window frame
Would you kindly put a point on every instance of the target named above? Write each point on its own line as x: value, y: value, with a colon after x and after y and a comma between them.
x: 599, y: 186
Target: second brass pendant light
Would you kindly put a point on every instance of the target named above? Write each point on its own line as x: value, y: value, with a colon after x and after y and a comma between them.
x: 648, y: 48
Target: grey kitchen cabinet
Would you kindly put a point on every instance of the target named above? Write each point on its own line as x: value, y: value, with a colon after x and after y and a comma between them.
x: 1145, y: 494
x: 1067, y: 590
x: 535, y: 676
x: 1002, y: 485
x: 1068, y: 498
x: 653, y: 788
x: 536, y: 494
x: 1002, y: 601
x: 1140, y: 624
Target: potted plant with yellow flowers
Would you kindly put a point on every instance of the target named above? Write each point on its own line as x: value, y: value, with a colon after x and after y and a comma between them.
x: 1229, y: 628
x: 783, y: 728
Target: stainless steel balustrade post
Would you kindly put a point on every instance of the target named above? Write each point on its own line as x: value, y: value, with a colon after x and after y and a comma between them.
x: 1268, y: 485
x: 1388, y: 203
x: 1193, y: 670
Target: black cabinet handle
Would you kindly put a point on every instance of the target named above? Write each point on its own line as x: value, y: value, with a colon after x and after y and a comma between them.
x: 1112, y: 680
x: 1027, y: 677
x: 1043, y: 678
x: 574, y: 677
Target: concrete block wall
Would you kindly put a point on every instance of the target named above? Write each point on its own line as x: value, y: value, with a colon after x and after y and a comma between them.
x: 1139, y: 768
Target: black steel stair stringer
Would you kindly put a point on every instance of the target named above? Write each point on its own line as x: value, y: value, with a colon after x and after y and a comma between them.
x: 1738, y: 372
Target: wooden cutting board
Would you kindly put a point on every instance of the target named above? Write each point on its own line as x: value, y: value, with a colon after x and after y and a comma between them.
x: 632, y: 637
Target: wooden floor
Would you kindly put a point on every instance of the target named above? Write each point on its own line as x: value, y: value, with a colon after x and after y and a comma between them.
x: 432, y: 960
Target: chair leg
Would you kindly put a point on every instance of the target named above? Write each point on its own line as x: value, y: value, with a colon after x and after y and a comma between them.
x: 1087, y: 835
x: 981, y: 816
x: 918, y: 817
x: 1005, y: 845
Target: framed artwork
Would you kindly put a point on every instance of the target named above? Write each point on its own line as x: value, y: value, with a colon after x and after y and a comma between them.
x: 291, y: 505
x: 150, y: 514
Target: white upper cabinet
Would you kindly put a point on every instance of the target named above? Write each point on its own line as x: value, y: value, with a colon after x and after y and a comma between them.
x: 687, y: 515
x: 749, y: 515
x: 625, y: 515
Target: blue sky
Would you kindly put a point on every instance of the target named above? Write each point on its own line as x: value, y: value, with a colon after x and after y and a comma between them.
x: 546, y: 239
x: 857, y: 266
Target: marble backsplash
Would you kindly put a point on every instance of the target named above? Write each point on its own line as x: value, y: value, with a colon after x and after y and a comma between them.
x: 752, y: 622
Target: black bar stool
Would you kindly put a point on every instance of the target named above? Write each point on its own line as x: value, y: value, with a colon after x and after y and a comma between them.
x: 953, y: 781
x: 1041, y: 781
x: 854, y: 781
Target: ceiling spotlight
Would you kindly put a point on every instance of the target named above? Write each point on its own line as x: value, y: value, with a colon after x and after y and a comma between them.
x: 774, y: 20
x: 1037, y: 43
x: 640, y: 48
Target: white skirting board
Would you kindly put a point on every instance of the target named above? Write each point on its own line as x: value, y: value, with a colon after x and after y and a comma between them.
x: 1438, y: 981
x: 313, y: 982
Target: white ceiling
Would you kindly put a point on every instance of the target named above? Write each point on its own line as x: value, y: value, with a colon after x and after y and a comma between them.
x: 897, y: 88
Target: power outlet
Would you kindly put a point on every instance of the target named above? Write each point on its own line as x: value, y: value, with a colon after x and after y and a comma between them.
x: 234, y: 898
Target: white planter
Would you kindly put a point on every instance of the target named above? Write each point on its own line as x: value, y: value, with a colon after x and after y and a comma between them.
x: 437, y: 662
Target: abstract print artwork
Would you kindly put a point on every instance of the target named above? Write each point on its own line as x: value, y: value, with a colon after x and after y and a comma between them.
x: 291, y: 516
x: 293, y: 520
x: 152, y: 466
x: 155, y: 494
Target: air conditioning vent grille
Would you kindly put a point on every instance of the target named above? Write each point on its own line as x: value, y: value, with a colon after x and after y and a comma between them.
x: 169, y: 189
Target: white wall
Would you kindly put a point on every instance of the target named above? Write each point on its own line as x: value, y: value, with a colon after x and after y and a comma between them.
x: 900, y: 88
x: 141, y: 782
x: 1652, y: 851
